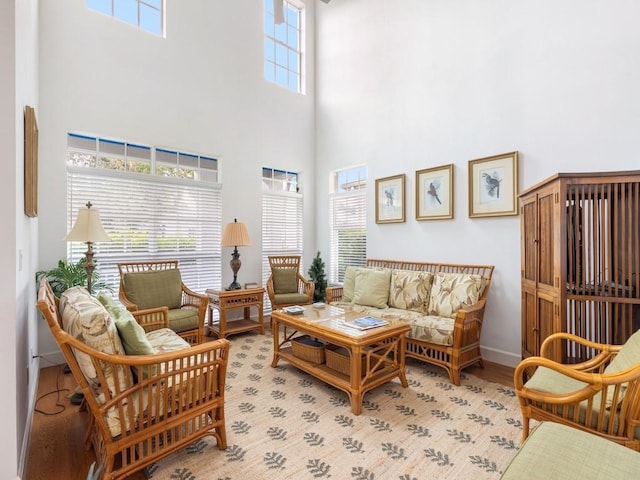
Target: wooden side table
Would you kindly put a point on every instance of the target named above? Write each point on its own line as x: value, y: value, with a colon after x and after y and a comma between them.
x: 226, y: 300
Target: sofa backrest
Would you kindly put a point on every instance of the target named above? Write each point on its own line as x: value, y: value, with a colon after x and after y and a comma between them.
x: 485, y: 271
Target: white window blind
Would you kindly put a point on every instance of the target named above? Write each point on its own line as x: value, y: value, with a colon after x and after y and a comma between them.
x: 348, y: 218
x: 281, y: 229
x: 150, y: 218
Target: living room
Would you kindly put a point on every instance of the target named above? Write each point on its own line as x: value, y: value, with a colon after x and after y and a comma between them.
x: 395, y: 88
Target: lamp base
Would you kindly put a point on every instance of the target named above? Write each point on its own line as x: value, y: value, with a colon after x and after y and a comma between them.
x: 235, y: 264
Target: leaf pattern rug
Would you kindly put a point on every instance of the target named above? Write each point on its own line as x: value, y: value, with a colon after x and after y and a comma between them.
x: 285, y: 424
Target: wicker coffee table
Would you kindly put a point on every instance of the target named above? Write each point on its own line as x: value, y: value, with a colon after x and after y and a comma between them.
x: 373, y: 356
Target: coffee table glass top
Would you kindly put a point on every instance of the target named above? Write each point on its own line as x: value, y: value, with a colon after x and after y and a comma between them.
x: 334, y: 318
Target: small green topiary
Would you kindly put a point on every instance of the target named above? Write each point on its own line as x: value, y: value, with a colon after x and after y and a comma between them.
x: 316, y: 273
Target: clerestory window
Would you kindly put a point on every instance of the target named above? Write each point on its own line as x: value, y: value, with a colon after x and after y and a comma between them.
x: 283, y: 43
x: 150, y: 205
x: 147, y: 15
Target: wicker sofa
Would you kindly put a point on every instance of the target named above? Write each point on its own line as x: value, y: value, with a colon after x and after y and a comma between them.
x: 443, y: 303
x: 148, y: 393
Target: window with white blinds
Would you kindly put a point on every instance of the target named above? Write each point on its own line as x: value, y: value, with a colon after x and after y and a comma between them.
x: 149, y: 217
x: 281, y: 229
x: 348, y: 221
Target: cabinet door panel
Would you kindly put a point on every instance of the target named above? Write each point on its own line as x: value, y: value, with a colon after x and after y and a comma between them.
x: 546, y: 244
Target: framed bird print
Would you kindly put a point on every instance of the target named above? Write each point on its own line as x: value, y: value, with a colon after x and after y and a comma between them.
x: 390, y: 199
x: 434, y: 193
x: 493, y: 186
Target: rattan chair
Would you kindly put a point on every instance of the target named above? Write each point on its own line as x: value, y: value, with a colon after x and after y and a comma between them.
x: 286, y: 286
x: 154, y: 284
x: 176, y: 398
x: 600, y: 395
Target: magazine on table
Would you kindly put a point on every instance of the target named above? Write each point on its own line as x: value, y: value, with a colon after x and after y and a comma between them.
x: 365, y: 323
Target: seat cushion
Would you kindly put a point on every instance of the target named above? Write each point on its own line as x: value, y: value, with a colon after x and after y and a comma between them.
x: 285, y: 280
x: 372, y: 287
x: 291, y: 299
x: 183, y: 319
x: 452, y: 291
x: 410, y: 290
x: 155, y: 288
x: 558, y: 451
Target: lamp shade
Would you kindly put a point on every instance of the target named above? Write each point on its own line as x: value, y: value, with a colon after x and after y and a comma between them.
x: 235, y: 234
x: 88, y: 227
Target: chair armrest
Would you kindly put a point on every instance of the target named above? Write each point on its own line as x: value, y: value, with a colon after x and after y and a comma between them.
x: 334, y: 294
x: 546, y: 347
x: 467, y: 325
x: 270, y: 290
x: 306, y: 286
x: 128, y: 304
x: 152, y: 318
x: 193, y: 299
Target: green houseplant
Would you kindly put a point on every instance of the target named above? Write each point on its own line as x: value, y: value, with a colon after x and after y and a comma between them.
x: 67, y: 275
x: 316, y: 273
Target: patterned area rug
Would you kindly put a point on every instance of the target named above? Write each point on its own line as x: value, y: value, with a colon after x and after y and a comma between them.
x: 282, y: 423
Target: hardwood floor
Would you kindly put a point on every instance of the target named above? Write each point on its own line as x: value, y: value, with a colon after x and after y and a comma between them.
x: 56, y: 448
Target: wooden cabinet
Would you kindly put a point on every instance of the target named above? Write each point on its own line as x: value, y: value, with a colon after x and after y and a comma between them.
x: 580, y: 260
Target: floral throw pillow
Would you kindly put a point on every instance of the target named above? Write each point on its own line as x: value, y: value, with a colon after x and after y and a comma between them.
x: 410, y: 290
x: 452, y: 291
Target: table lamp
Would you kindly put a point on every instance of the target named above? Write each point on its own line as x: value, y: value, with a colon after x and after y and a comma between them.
x: 235, y: 235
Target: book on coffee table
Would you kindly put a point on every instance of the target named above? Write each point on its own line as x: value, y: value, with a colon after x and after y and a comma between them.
x: 365, y: 323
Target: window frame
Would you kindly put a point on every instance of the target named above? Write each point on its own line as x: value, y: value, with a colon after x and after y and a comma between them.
x: 109, y: 8
x: 149, y: 217
x: 352, y: 196
x: 275, y: 46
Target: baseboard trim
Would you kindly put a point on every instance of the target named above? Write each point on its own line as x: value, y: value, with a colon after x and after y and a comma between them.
x: 33, y: 394
x: 501, y: 357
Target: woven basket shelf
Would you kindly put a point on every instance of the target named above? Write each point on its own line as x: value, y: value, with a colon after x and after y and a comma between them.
x: 308, y: 349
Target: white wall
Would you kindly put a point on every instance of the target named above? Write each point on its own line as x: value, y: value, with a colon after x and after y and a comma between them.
x: 200, y: 89
x: 18, y: 370
x: 415, y: 84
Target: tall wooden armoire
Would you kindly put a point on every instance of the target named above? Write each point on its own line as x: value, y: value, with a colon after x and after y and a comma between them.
x: 580, y: 257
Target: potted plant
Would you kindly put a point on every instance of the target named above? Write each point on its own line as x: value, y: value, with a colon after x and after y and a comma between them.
x: 316, y: 273
x: 67, y: 275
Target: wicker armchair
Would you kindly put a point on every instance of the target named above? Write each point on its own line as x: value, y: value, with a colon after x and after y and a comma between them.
x: 600, y: 395
x: 142, y: 407
x: 152, y: 284
x: 286, y: 286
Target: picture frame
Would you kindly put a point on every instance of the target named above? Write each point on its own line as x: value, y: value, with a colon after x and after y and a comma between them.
x: 493, y: 186
x: 30, y: 162
x: 390, y: 199
x: 434, y: 193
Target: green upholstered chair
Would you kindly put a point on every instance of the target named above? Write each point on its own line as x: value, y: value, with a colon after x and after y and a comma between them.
x: 152, y: 284
x: 286, y: 286
x: 600, y: 395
